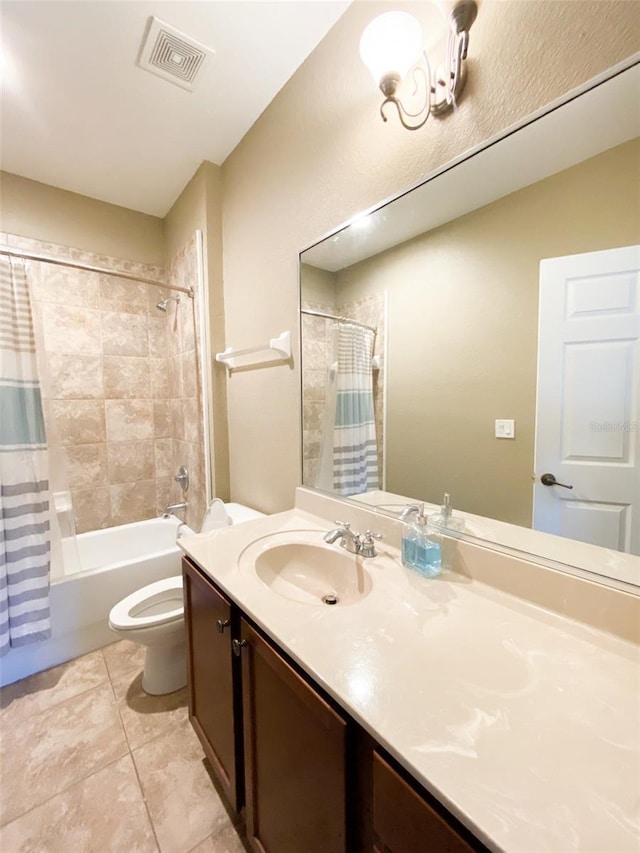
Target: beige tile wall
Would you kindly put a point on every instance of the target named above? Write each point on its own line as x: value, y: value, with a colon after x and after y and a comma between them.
x: 371, y: 311
x: 121, y: 378
x: 316, y: 357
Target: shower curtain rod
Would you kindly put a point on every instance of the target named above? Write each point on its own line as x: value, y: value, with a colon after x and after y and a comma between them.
x: 47, y: 259
x: 338, y: 318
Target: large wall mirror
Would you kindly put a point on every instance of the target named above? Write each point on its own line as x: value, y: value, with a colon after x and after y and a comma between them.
x: 483, y: 330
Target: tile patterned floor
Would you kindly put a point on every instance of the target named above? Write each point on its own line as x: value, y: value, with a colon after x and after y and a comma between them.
x: 90, y: 764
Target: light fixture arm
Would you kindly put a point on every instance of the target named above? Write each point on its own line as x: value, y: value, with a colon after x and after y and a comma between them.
x: 441, y: 92
x: 403, y: 113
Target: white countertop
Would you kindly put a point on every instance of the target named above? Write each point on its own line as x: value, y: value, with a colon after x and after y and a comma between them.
x: 523, y: 722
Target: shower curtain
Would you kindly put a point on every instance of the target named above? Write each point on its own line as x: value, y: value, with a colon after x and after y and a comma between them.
x: 24, y: 488
x: 349, y: 454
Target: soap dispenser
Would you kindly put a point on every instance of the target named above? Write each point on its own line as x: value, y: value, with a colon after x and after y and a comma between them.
x: 445, y: 517
x: 445, y: 522
x: 421, y: 547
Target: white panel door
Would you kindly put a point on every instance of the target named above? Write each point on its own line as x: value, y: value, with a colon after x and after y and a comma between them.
x: 587, y: 418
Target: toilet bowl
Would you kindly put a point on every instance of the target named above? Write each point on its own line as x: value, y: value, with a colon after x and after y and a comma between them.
x: 154, y: 617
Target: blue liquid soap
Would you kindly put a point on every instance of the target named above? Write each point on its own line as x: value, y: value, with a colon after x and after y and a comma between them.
x: 420, y: 551
x: 429, y: 558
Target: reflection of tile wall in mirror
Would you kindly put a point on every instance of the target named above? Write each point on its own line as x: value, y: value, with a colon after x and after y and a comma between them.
x: 317, y: 356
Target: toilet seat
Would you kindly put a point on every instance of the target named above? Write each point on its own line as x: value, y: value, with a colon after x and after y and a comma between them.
x: 158, y: 603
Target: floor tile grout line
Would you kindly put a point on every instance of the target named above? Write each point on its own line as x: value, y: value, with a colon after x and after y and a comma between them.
x: 82, y: 778
x: 120, y: 720
x: 64, y: 790
x: 62, y: 701
x: 135, y: 766
x: 146, y: 804
x: 96, y: 770
x: 129, y: 751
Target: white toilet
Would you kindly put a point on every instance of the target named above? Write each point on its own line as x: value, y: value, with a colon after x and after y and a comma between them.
x: 154, y: 617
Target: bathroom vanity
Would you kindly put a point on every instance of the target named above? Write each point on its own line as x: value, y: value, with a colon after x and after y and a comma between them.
x: 495, y: 707
x: 313, y: 779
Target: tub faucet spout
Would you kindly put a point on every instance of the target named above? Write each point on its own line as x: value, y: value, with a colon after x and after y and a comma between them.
x: 171, y: 508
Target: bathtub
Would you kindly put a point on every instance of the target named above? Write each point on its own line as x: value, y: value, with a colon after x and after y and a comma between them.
x: 87, y: 582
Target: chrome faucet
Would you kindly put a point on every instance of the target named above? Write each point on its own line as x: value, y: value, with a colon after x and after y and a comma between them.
x: 353, y: 542
x: 174, y: 508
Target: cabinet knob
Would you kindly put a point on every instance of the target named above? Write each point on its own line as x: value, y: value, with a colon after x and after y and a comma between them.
x: 237, y: 646
x: 221, y: 624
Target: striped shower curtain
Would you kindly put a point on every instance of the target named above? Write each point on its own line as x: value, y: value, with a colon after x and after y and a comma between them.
x: 355, y: 450
x: 24, y: 489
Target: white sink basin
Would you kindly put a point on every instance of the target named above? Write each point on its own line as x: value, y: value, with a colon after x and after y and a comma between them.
x: 307, y: 571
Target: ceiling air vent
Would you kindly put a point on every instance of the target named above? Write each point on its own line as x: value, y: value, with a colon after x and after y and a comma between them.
x: 172, y: 55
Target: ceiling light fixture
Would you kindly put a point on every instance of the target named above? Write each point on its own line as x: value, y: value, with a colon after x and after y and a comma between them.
x: 392, y: 47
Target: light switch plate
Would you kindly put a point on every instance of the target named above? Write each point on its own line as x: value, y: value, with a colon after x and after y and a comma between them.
x: 505, y: 429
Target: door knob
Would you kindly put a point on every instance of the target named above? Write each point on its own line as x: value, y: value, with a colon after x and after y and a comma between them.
x: 550, y: 480
x: 221, y: 624
x: 237, y: 646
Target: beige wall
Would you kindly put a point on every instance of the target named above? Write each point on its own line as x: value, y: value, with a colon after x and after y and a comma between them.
x: 320, y: 154
x: 51, y: 215
x: 463, y: 325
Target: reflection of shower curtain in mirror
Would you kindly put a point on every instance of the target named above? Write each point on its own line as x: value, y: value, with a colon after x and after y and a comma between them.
x: 349, y: 455
x: 24, y: 489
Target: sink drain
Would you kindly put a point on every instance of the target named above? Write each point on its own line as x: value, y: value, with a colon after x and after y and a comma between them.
x: 330, y: 598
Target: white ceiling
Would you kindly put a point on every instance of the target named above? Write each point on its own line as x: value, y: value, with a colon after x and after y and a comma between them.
x: 78, y: 112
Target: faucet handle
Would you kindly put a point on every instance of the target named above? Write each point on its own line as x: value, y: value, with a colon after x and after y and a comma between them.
x: 367, y: 546
x: 345, y: 524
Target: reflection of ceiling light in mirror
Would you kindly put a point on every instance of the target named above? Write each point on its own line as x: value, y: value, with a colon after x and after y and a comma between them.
x: 7, y: 70
x: 361, y: 223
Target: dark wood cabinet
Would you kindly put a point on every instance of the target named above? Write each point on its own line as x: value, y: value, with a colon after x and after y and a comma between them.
x: 295, y: 757
x: 213, y: 685
x: 404, y: 822
x: 309, y: 778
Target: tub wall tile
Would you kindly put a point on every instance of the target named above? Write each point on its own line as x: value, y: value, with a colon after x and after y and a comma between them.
x: 126, y: 377
x: 92, y: 508
x: 129, y: 420
x: 124, y: 334
x: 130, y: 461
x: 79, y: 421
x: 132, y: 501
x: 86, y: 465
x: 76, y: 377
x: 70, y: 328
x: 123, y: 385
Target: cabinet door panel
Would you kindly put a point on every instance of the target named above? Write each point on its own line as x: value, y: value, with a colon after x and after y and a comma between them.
x: 295, y: 757
x: 211, y: 684
x: 404, y: 823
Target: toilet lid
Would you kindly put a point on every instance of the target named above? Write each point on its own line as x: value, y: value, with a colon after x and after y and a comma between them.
x: 156, y: 604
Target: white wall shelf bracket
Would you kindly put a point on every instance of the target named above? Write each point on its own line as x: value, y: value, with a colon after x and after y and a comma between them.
x: 281, y: 346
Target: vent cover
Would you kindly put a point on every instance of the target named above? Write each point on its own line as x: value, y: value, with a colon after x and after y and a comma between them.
x: 172, y: 55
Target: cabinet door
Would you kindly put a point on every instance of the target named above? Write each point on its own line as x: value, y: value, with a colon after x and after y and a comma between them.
x: 210, y: 667
x: 295, y: 757
x: 403, y: 822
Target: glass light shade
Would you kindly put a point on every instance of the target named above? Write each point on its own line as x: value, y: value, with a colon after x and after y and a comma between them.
x: 391, y: 44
